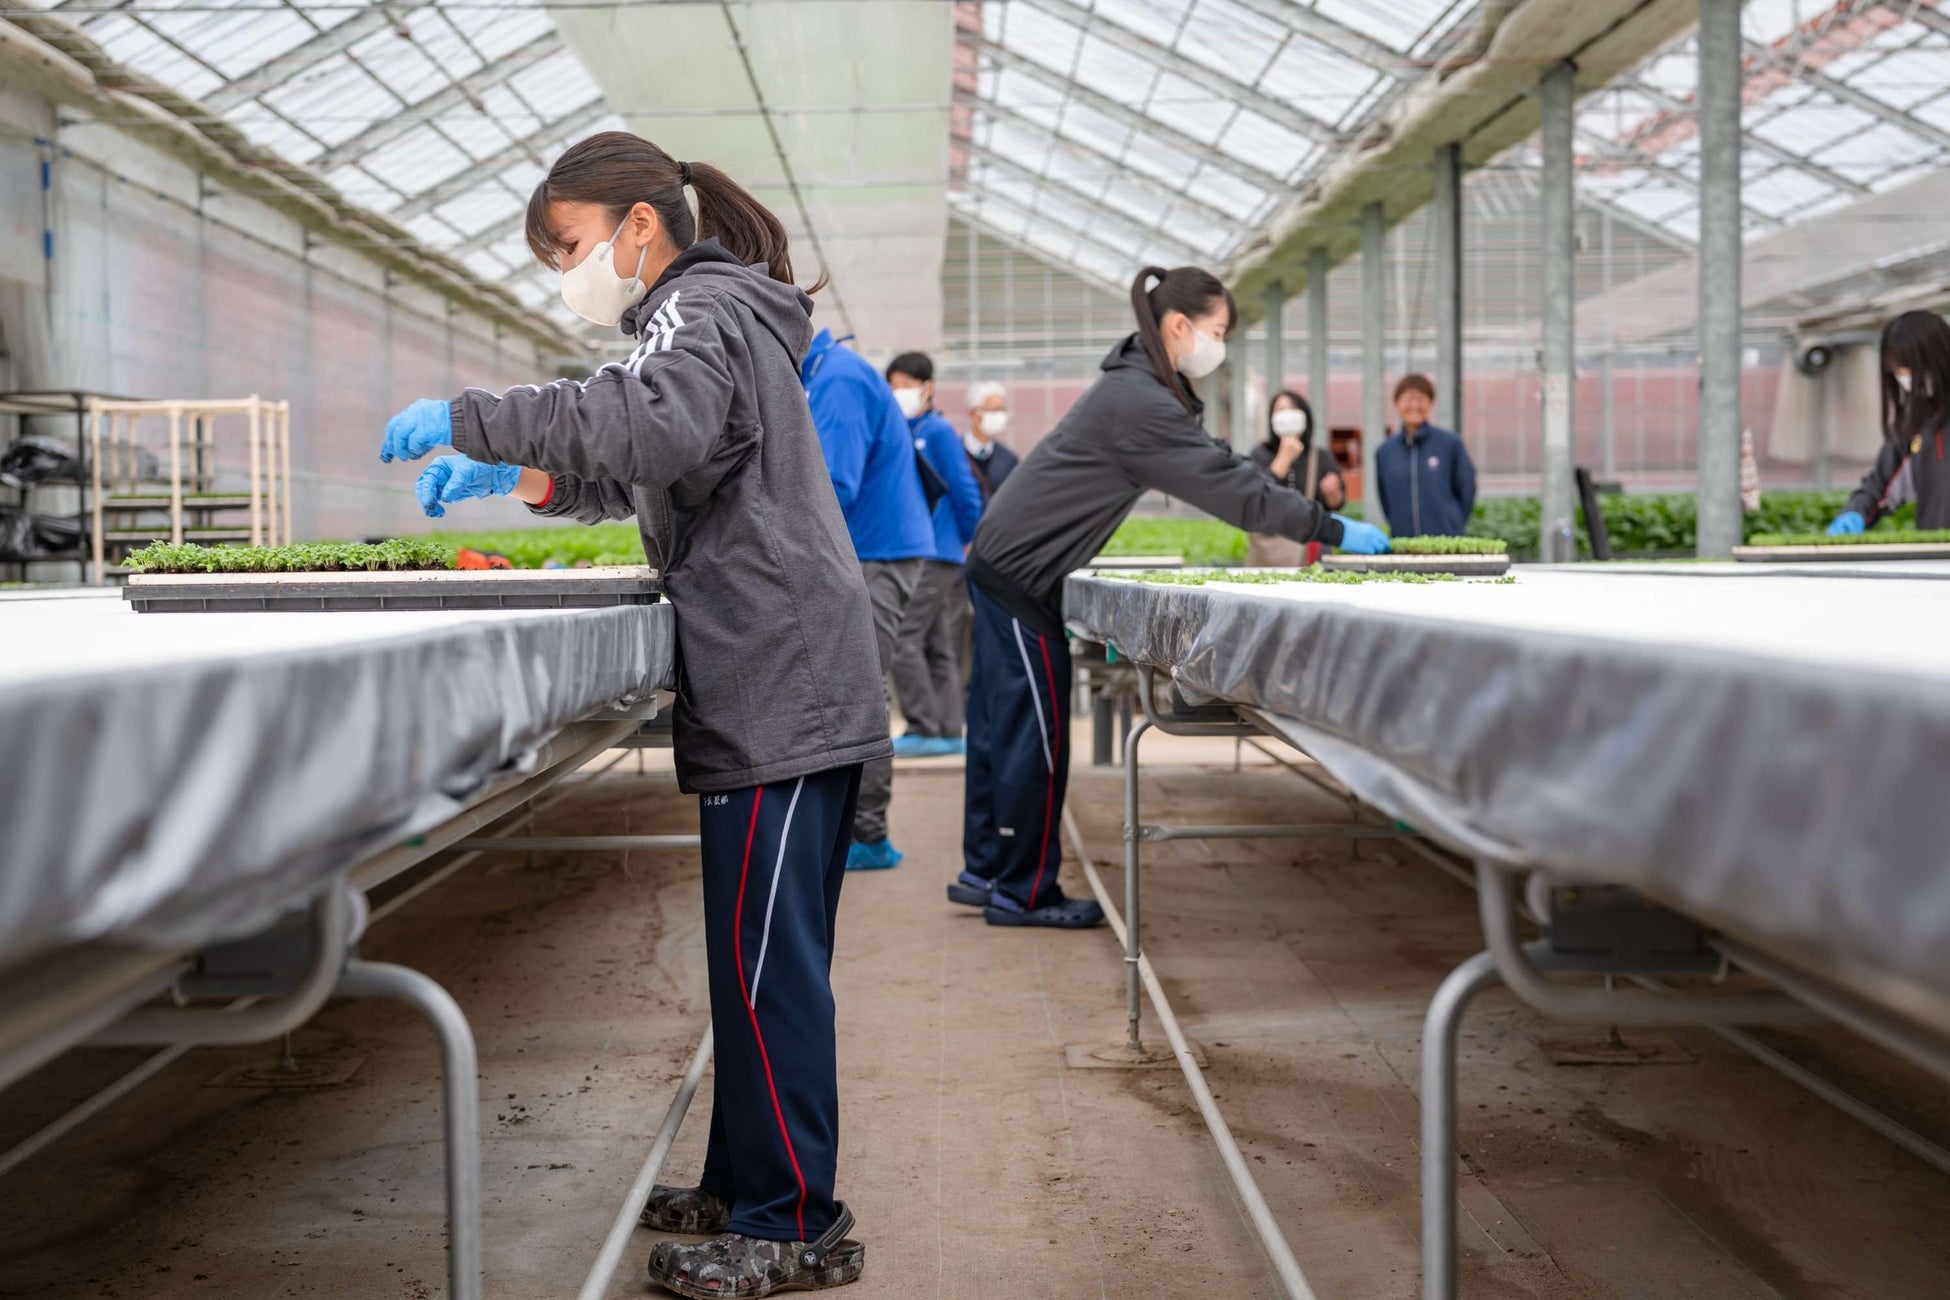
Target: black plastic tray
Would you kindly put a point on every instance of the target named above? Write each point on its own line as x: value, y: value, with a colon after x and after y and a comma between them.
x: 1846, y: 552
x: 427, y: 589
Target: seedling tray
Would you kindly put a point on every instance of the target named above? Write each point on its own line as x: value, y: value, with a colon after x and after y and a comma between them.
x: 1857, y: 551
x: 1463, y: 566
x: 422, y: 589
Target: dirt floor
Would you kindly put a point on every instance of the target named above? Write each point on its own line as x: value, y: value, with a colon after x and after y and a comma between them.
x: 979, y: 1164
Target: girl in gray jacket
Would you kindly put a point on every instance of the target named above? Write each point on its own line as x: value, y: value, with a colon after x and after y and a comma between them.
x: 704, y: 437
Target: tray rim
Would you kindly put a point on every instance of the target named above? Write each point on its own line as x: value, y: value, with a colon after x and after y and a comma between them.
x: 390, y: 577
x: 1846, y: 551
x: 1470, y: 566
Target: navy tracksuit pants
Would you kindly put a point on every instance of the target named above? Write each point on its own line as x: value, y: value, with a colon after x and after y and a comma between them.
x: 774, y: 856
x: 1018, y: 762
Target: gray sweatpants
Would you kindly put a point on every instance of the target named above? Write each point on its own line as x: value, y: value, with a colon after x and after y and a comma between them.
x: 927, y: 658
x: 890, y: 585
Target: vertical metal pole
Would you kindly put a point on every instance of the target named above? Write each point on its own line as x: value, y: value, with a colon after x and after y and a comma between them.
x: 1317, y: 347
x: 257, y: 454
x: 176, y: 475
x: 1448, y: 283
x: 1132, y: 949
x: 1557, y: 539
x: 974, y: 261
x: 284, y: 455
x: 1608, y: 430
x: 1439, y: 1122
x: 1275, y: 339
x: 1719, y: 276
x: 95, y: 486
x: 1242, y: 434
x: 1374, y: 321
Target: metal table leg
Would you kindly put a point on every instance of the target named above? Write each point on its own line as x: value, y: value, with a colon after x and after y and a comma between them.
x: 460, y: 1074
x: 1439, y: 1122
x: 1133, y: 844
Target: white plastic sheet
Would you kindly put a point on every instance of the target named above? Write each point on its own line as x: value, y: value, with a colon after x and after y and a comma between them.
x: 1767, y: 753
x: 173, y: 778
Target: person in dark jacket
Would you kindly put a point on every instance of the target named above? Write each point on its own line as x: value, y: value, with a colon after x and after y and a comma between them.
x: 1136, y: 429
x: 988, y: 420
x: 927, y: 658
x: 870, y: 455
x: 704, y: 437
x: 1425, y: 478
x: 1292, y: 457
x: 1915, y: 406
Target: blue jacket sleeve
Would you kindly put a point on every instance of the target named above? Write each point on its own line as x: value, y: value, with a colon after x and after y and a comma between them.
x: 1463, y: 472
x: 839, y: 412
x: 944, y: 452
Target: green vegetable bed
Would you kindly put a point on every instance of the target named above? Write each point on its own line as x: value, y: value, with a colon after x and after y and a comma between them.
x: 303, y: 557
x: 1272, y: 577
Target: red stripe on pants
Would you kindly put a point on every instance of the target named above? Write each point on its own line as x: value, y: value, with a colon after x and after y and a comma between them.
x: 738, y: 959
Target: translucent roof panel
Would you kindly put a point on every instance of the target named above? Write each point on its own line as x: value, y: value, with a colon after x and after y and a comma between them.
x: 439, y: 118
x: 1213, y: 110
x: 1236, y: 104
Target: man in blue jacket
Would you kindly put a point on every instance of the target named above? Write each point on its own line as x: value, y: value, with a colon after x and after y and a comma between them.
x: 1424, y: 475
x: 870, y: 458
x: 927, y: 668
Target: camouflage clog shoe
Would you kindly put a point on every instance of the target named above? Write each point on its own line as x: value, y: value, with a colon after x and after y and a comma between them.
x: 690, y: 1210
x: 734, y: 1265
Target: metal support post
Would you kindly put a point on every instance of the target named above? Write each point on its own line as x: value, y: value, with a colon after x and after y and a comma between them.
x: 1374, y: 323
x: 1608, y: 425
x: 1241, y: 434
x: 1317, y: 347
x: 1719, y: 277
x: 460, y: 1072
x: 1557, y: 537
x: 1439, y: 1122
x: 1275, y: 340
x: 1132, y: 949
x: 1448, y: 283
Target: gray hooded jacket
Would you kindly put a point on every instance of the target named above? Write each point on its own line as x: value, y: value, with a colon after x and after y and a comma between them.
x: 705, y: 437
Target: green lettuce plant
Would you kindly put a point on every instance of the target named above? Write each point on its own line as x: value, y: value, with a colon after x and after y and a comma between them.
x: 412, y: 553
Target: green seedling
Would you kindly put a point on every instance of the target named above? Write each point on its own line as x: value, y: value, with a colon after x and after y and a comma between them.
x: 1447, y: 546
x: 1907, y: 537
x: 416, y: 553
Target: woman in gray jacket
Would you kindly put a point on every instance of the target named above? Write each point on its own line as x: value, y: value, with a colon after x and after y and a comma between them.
x: 705, y: 438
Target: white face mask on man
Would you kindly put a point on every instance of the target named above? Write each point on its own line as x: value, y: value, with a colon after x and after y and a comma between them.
x: 1204, y: 356
x: 594, y: 291
x: 909, y: 400
x: 994, y: 423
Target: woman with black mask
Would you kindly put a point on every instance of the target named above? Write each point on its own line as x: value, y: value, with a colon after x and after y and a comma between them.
x: 1293, y: 459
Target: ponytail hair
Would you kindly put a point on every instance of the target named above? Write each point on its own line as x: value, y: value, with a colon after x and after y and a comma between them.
x: 619, y: 170
x: 1188, y: 290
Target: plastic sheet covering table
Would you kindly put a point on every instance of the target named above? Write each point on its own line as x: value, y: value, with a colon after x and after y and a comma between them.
x: 1769, y: 754
x: 172, y: 779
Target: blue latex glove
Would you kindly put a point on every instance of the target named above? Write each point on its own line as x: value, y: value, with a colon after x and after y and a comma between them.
x: 426, y: 424
x: 456, y: 478
x: 1358, y: 538
x: 1848, y: 523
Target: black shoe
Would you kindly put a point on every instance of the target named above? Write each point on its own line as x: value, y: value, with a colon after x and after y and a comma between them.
x: 970, y: 890
x: 1053, y: 911
x: 690, y: 1210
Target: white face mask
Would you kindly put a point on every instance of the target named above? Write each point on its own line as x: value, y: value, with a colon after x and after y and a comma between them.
x: 909, y: 400
x: 1206, y: 355
x: 1290, y: 423
x: 995, y: 423
x: 594, y: 291
x: 1902, y: 380
x: 976, y: 447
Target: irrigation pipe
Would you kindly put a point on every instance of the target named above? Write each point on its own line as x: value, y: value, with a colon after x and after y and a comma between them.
x: 604, y: 1269
x: 1279, y: 1254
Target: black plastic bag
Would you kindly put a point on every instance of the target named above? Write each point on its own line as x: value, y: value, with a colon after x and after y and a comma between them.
x: 38, y: 459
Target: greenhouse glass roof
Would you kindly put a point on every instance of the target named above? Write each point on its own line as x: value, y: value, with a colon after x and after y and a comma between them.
x: 1097, y: 134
